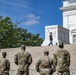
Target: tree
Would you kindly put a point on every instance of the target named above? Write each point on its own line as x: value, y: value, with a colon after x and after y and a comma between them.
x: 13, y: 36
x: 6, y: 32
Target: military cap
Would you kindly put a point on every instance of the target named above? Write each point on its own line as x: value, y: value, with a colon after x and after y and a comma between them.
x: 46, y: 51
x: 60, y: 43
x: 4, y: 53
x: 23, y: 45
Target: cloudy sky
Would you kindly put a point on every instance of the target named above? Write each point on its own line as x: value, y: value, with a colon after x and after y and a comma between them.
x: 33, y: 14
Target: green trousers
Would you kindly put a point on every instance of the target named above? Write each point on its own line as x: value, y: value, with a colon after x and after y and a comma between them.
x: 63, y: 73
x: 5, y: 74
x: 44, y: 72
x: 22, y: 73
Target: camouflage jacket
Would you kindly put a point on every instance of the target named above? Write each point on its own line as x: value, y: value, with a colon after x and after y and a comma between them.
x: 45, y: 62
x: 23, y: 60
x: 61, y: 60
x: 4, y: 65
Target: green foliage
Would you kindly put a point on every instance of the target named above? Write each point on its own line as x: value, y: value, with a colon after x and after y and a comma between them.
x: 13, y: 36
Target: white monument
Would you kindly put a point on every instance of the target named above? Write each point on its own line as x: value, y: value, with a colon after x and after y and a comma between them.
x: 58, y: 33
x: 67, y: 33
x: 69, y: 18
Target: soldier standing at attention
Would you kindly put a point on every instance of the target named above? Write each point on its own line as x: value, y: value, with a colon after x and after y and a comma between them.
x: 62, y: 60
x: 23, y: 59
x: 51, y: 39
x: 45, y: 64
x: 4, y: 65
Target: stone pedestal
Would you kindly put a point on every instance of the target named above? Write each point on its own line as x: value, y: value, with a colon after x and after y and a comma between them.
x: 59, y: 33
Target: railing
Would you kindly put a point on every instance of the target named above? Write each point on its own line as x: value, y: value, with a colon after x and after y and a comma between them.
x: 33, y: 72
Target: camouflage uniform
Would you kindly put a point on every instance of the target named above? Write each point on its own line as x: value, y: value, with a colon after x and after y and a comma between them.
x: 62, y: 61
x: 23, y: 60
x: 45, y: 65
x: 4, y: 65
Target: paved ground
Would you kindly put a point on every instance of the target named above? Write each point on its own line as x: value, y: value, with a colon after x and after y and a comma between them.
x: 37, y: 52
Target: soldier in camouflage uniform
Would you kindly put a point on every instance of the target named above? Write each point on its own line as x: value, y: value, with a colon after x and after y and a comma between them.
x: 45, y: 64
x: 23, y: 59
x: 4, y: 65
x: 62, y: 60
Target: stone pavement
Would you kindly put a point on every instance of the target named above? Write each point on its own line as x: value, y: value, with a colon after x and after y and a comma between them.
x: 36, y: 53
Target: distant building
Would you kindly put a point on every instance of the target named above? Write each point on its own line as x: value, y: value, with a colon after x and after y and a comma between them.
x: 67, y: 33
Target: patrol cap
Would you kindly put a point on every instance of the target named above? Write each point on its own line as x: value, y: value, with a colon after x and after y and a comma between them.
x: 23, y: 46
x: 61, y: 44
x: 4, y: 53
x: 46, y: 51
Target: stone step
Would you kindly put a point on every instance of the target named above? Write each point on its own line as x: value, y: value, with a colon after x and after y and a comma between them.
x: 37, y: 52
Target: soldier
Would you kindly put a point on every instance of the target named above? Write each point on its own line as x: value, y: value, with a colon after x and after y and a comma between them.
x: 4, y: 65
x: 62, y: 60
x: 51, y: 39
x: 23, y: 59
x: 45, y: 64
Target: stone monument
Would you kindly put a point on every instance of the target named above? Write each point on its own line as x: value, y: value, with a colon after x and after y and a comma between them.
x: 69, y: 18
x: 67, y: 33
x: 59, y: 33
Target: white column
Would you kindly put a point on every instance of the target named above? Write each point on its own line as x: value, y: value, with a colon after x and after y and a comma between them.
x: 65, y: 20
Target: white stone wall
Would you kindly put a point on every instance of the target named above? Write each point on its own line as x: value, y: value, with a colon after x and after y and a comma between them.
x: 69, y: 24
x: 63, y: 34
x: 59, y: 33
x: 54, y: 30
x: 69, y: 17
x: 71, y: 33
